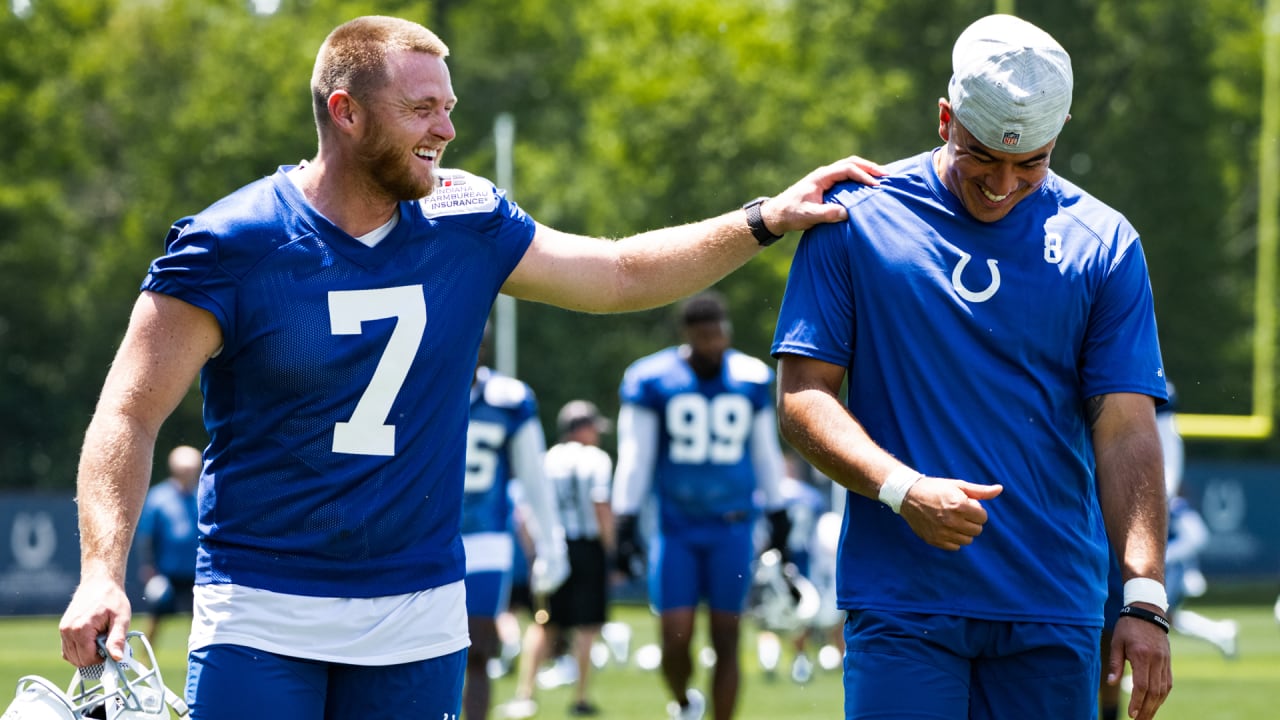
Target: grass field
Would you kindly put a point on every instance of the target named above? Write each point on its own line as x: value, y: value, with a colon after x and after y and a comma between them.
x: 1206, y: 686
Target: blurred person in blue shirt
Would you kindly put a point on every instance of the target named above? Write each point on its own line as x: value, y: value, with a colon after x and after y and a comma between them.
x: 504, y: 442
x: 167, y: 539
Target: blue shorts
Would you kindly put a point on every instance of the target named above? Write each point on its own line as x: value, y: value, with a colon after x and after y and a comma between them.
x: 710, y: 561
x: 232, y: 682
x: 943, y: 667
x: 488, y: 593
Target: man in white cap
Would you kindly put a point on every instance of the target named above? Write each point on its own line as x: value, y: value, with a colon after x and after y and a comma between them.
x: 996, y: 329
x: 581, y: 474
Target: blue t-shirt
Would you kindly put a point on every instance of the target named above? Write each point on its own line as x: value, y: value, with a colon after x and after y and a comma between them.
x: 167, y: 531
x: 970, y: 350
x: 500, y: 406
x: 703, y: 465
x: 337, y: 406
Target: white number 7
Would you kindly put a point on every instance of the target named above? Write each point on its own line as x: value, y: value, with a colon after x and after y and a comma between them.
x: 366, y: 432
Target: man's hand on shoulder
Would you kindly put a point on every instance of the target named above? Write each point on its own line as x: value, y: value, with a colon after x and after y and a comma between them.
x: 801, y: 206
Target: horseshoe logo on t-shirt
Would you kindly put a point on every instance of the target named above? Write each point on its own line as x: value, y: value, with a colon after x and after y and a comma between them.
x: 966, y: 293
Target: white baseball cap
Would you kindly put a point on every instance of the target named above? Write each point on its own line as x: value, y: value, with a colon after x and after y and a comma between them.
x: 581, y: 412
x: 1010, y: 84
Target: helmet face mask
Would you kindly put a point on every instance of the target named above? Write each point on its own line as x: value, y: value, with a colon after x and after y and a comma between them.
x: 128, y: 689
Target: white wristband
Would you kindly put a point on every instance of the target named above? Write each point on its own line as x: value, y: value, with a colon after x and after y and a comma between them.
x: 895, y: 487
x: 1146, y: 590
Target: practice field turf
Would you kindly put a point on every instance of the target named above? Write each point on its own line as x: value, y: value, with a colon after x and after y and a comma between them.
x: 1206, y: 686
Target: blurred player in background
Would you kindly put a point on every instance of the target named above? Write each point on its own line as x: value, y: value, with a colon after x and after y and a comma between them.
x: 697, y: 428
x: 582, y: 475
x: 1188, y: 535
x: 167, y: 539
x: 520, y: 602
x: 504, y: 441
x: 804, y: 504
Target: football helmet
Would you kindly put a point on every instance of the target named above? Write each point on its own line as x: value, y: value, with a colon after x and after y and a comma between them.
x: 128, y: 689
x: 782, y: 600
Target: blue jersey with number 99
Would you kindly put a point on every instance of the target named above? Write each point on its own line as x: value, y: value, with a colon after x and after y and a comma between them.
x: 703, y: 465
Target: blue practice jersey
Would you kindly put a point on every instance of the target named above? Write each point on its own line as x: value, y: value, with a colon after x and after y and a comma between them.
x: 167, y: 531
x: 703, y: 467
x: 971, y: 349
x: 500, y: 406
x: 337, y: 406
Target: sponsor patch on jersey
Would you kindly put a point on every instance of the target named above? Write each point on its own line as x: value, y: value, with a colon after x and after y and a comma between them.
x: 459, y: 193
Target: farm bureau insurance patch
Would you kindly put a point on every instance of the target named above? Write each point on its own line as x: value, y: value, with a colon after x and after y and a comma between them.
x: 459, y: 193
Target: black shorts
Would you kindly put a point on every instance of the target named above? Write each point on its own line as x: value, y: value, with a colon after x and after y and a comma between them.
x: 583, y: 598
x: 520, y: 599
x: 178, y: 600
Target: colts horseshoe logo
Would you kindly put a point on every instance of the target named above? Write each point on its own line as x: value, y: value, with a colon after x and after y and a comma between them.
x: 966, y: 293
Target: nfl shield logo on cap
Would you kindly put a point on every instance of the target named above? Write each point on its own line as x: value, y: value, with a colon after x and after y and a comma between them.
x: 1011, y: 83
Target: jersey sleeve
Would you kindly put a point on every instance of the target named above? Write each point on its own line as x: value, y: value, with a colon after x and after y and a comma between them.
x: 766, y: 457
x: 1121, y: 352
x: 598, y: 468
x: 637, y: 442
x: 633, y: 389
x: 189, y: 271
x: 817, y: 309
x: 513, y: 395
x: 475, y: 204
x: 527, y: 449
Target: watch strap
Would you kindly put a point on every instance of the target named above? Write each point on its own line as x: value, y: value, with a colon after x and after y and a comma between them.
x: 755, y: 221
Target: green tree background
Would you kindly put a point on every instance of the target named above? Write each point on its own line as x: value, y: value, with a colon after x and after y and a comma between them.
x: 121, y: 116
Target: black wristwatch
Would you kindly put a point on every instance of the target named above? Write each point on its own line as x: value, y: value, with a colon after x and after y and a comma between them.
x: 756, y: 222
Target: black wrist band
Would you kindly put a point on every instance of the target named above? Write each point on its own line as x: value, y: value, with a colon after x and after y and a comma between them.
x: 1152, y: 617
x: 755, y: 221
